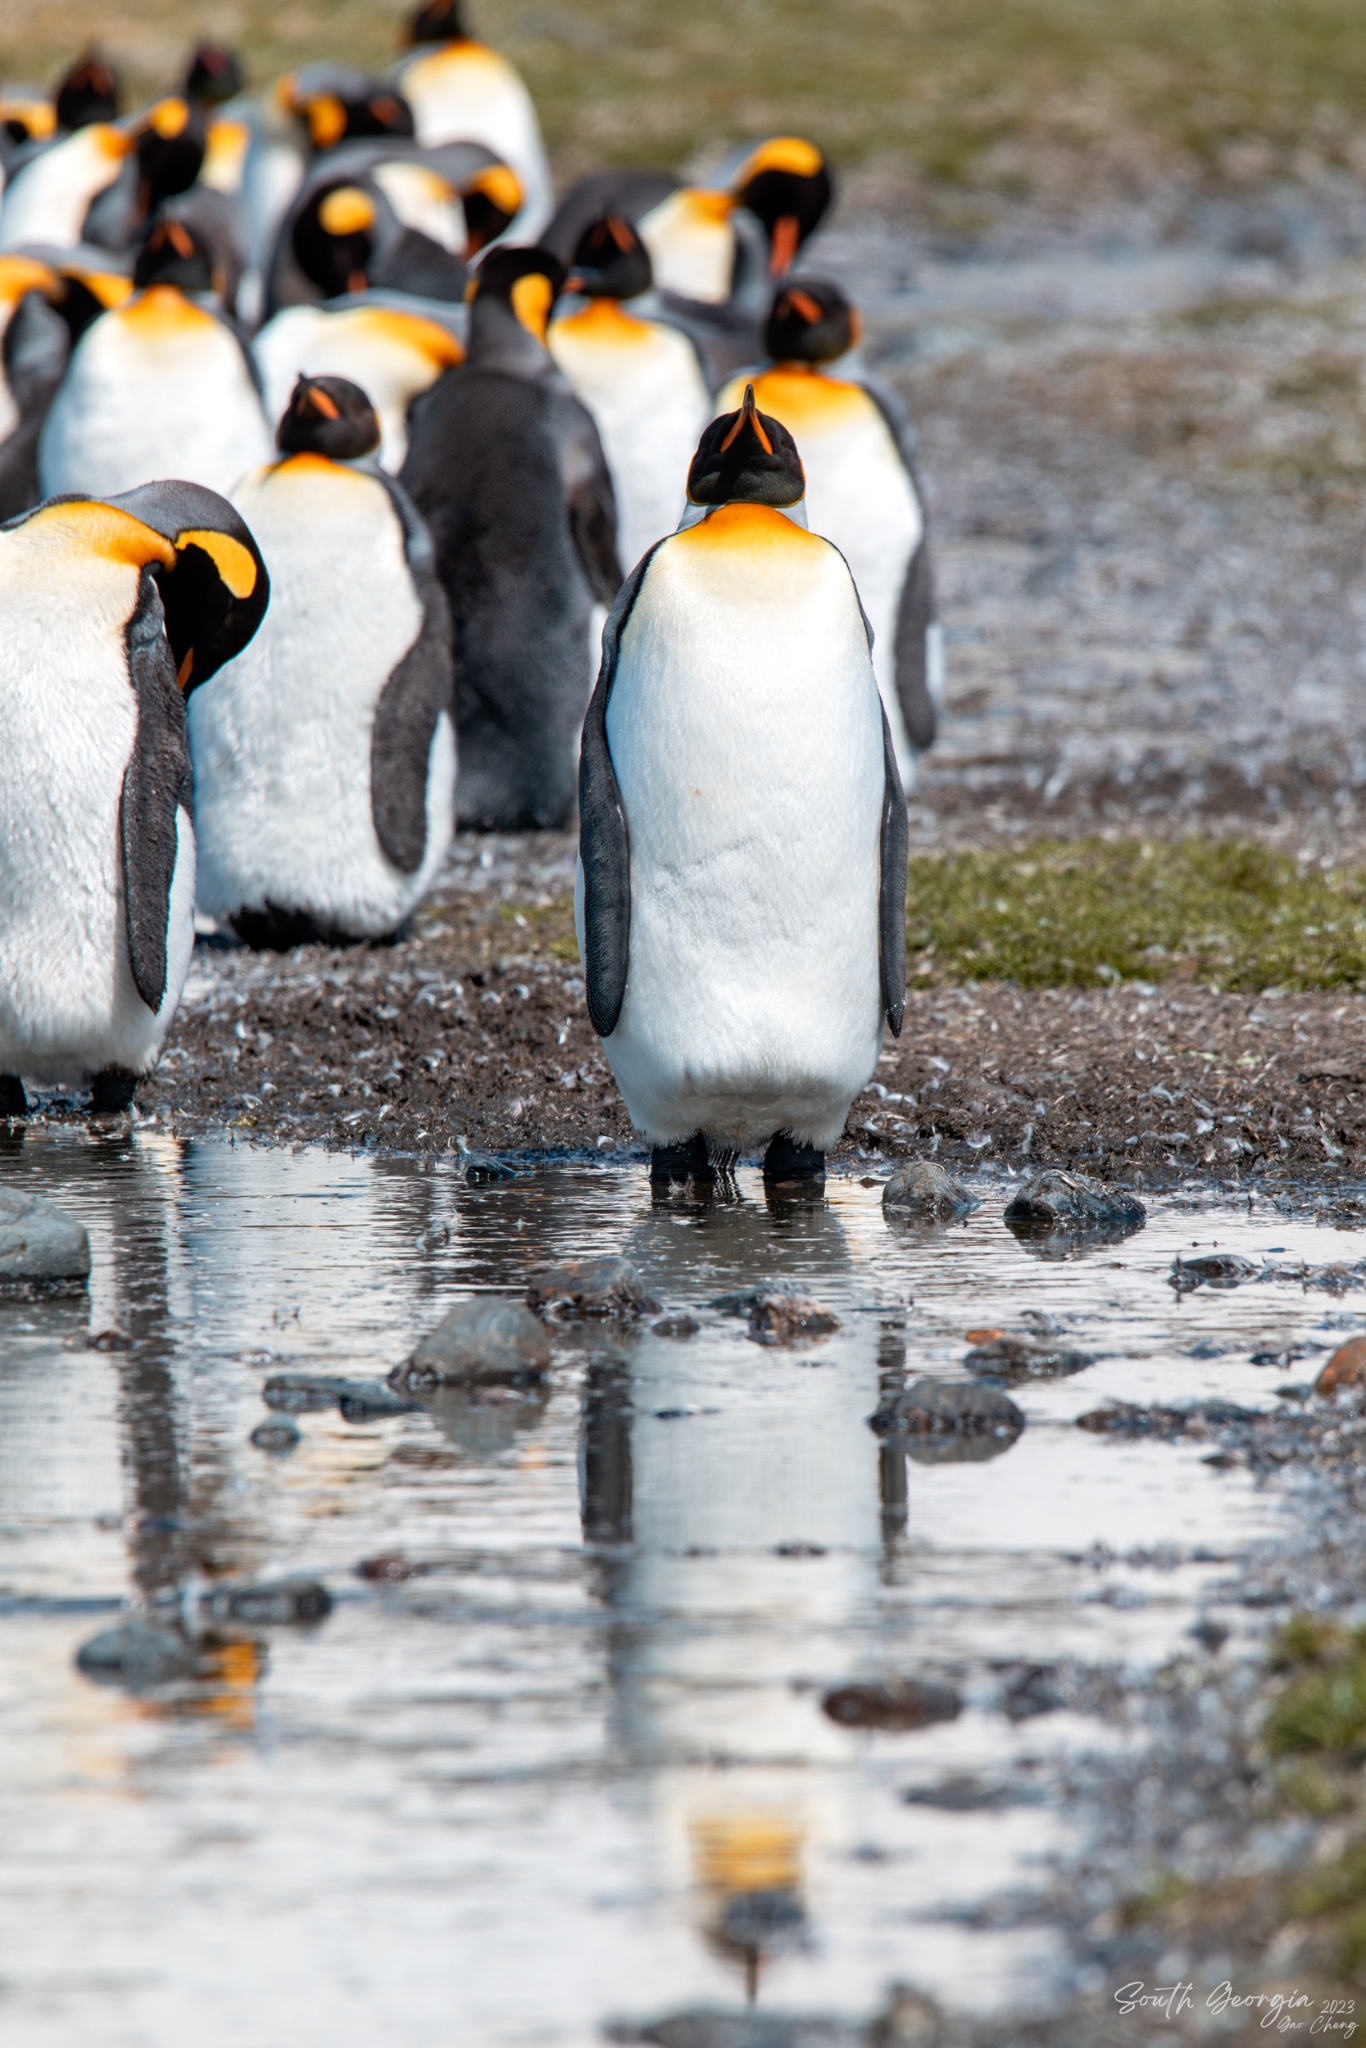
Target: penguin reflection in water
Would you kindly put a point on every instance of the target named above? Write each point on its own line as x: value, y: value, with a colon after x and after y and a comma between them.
x: 111, y: 613
x: 324, y: 757
x: 742, y: 876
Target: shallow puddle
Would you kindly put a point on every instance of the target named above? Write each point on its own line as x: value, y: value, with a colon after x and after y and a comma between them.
x: 577, y: 1770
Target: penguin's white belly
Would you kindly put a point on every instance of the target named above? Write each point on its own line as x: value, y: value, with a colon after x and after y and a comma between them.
x: 136, y: 405
x: 68, y: 1004
x: 48, y: 200
x: 471, y: 94
x: 281, y: 736
x: 391, y: 355
x: 746, y: 735
x: 650, y: 405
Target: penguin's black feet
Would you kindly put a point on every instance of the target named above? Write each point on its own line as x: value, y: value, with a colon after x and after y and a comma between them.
x: 786, y: 1162
x: 684, y: 1165
x: 13, y: 1101
x: 112, y: 1091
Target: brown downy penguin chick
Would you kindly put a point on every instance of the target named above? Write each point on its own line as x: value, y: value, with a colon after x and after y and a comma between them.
x: 862, y: 493
x: 325, y: 759
x: 506, y: 466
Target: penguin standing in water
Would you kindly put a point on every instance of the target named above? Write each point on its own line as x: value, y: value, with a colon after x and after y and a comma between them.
x: 110, y: 614
x: 741, y: 896
x: 160, y: 386
x: 324, y: 756
x: 641, y: 380
x: 506, y: 467
x: 862, y: 493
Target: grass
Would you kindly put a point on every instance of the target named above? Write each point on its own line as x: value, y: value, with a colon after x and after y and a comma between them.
x: 1092, y: 911
x: 959, y: 94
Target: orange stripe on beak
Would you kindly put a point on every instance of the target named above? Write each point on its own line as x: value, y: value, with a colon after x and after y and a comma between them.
x: 748, y: 415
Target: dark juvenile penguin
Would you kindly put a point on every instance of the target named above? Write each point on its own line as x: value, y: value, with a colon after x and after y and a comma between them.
x: 741, y: 899
x: 862, y: 493
x: 506, y: 466
x: 641, y: 380
x: 324, y: 756
x: 160, y: 384
x: 110, y: 614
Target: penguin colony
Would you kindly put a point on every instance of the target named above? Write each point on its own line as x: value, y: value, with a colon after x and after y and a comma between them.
x: 337, y: 460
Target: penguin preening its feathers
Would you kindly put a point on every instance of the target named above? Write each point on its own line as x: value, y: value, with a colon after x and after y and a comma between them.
x: 507, y: 468
x: 743, y: 835
x: 325, y: 757
x: 863, y: 493
x: 145, y: 596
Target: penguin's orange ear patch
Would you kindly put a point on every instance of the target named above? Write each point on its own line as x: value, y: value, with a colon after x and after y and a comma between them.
x: 232, y: 561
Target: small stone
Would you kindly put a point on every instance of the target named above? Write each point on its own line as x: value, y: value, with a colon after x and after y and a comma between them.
x: 138, y: 1654
x: 483, y: 1169
x: 390, y: 1571
x: 42, y: 1251
x: 924, y: 1188
x: 275, y: 1604
x: 1025, y: 1358
x: 490, y: 1341
x: 1346, y: 1367
x: 1212, y: 1269
x: 908, y: 1703
x: 101, y: 1340
x: 950, y: 1408
x: 589, y: 1287
x: 275, y: 1436
x: 1123, y: 1418
x: 783, y: 1318
x: 1033, y: 1690
x: 300, y: 1393
x: 367, y: 1400
x: 676, y: 1326
x: 799, y: 1550
x: 1069, y: 1201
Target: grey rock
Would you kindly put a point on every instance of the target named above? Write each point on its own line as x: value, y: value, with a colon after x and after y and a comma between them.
x: 137, y: 1654
x: 922, y: 1188
x: 1069, y: 1201
x: 490, y: 1341
x: 274, y: 1604
x: 747, y: 2030
x: 1025, y: 1358
x: 1212, y: 1269
x: 589, y: 1287
x: 1125, y: 1418
x: 366, y: 1400
x: 41, y: 1249
x: 787, y: 1318
x: 676, y: 1326
x: 303, y: 1393
x: 950, y: 1408
x: 909, y: 1703
x: 275, y: 1436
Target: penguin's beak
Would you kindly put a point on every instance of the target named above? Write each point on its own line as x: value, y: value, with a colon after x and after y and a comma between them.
x: 786, y: 236
x: 748, y: 416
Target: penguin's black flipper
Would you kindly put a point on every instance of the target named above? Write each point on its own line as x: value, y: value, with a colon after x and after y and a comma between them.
x: 604, y: 840
x: 592, y: 504
x: 895, y: 852
x: 35, y: 350
x: 419, y: 690
x: 156, y: 784
x: 917, y: 610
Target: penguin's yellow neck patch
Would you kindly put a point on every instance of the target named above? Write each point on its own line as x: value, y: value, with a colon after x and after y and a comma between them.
x: 95, y: 529
x: 232, y: 561
x: 162, y: 311
x: 603, y: 324
x: 408, y: 330
x: 747, y: 529
x: 20, y: 274
x: 805, y: 401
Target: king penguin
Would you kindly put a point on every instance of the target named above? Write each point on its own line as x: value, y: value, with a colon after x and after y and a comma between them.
x: 324, y: 756
x: 506, y: 466
x: 110, y: 613
x: 392, y: 354
x: 641, y: 380
x: 160, y: 386
x: 862, y: 493
x: 741, y: 892
x: 462, y: 91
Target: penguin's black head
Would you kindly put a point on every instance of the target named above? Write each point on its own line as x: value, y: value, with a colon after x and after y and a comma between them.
x: 610, y: 261
x: 335, y: 235
x: 491, y: 199
x: 786, y: 184
x: 811, y: 321
x: 746, y: 458
x: 437, y: 21
x: 347, y: 105
x: 328, y: 416
x: 523, y: 282
x: 89, y: 92
x: 214, y: 75
x: 171, y: 252
x: 169, y: 141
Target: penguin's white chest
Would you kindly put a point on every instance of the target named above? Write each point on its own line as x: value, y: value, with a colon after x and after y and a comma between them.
x: 159, y: 388
x: 391, y: 355
x: 281, y: 737
x: 746, y: 735
x: 47, y: 202
x: 642, y: 384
